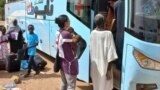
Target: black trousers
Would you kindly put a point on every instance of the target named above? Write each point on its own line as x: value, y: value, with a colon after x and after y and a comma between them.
x: 32, y: 64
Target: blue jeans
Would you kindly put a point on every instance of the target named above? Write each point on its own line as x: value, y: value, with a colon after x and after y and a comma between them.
x: 32, y: 64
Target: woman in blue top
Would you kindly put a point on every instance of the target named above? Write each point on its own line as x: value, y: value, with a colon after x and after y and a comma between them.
x: 32, y: 42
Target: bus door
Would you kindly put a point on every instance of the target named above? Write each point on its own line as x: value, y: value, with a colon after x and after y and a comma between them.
x: 106, y: 8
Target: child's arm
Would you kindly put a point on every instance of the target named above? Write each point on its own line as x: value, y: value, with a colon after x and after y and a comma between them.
x: 33, y: 45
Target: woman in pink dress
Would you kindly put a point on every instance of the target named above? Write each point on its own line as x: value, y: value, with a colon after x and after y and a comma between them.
x: 3, y: 44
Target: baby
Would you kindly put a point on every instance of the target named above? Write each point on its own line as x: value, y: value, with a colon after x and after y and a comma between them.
x: 80, y: 42
x: 75, y: 36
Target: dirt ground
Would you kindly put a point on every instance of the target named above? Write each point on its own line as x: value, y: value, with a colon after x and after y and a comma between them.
x: 47, y: 80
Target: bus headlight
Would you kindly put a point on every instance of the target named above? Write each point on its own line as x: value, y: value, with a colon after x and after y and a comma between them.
x: 146, y: 62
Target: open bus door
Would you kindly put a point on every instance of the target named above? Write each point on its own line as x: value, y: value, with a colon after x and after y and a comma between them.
x: 106, y: 8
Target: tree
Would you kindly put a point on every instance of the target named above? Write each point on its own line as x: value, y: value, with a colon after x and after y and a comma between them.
x: 2, y: 4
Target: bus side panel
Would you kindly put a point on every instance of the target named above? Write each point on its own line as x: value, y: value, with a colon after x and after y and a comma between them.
x: 53, y: 29
x: 22, y: 24
x: 80, y: 28
x: 42, y: 30
x: 45, y: 9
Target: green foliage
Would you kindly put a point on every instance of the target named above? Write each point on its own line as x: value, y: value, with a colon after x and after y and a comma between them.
x: 2, y: 3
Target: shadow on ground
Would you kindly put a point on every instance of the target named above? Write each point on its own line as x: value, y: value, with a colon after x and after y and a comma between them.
x: 85, y: 87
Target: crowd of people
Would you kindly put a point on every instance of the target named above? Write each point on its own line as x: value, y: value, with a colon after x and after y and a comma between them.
x: 14, y: 35
x: 102, y: 51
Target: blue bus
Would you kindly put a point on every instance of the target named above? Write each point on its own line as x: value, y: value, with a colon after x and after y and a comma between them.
x: 141, y: 31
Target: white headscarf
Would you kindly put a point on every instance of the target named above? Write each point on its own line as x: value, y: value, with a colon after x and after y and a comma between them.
x: 13, y: 28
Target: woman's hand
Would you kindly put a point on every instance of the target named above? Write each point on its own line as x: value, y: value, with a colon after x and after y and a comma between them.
x: 75, y: 38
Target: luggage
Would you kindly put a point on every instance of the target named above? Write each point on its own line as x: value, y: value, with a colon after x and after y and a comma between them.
x: 24, y: 64
x: 57, y: 63
x: 40, y: 62
x: 12, y: 63
x: 23, y: 57
x: 22, y: 54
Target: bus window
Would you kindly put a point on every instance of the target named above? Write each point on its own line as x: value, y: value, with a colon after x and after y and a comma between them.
x: 80, y: 9
x: 145, y: 20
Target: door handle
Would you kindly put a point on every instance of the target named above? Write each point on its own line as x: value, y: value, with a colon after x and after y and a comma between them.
x: 41, y: 41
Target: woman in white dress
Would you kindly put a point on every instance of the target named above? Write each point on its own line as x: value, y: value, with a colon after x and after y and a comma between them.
x: 4, y: 51
x: 102, y: 52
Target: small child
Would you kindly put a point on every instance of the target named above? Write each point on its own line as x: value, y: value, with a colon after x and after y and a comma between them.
x: 75, y: 36
x: 32, y: 42
x: 3, y: 44
x: 80, y: 42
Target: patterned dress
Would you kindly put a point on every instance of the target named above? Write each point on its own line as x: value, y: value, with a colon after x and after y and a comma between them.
x: 3, y: 47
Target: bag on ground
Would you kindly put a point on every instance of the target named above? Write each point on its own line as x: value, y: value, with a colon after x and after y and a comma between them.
x: 57, y: 62
x: 12, y: 63
x: 40, y: 62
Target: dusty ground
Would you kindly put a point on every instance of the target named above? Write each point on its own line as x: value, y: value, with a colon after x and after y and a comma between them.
x: 47, y: 80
